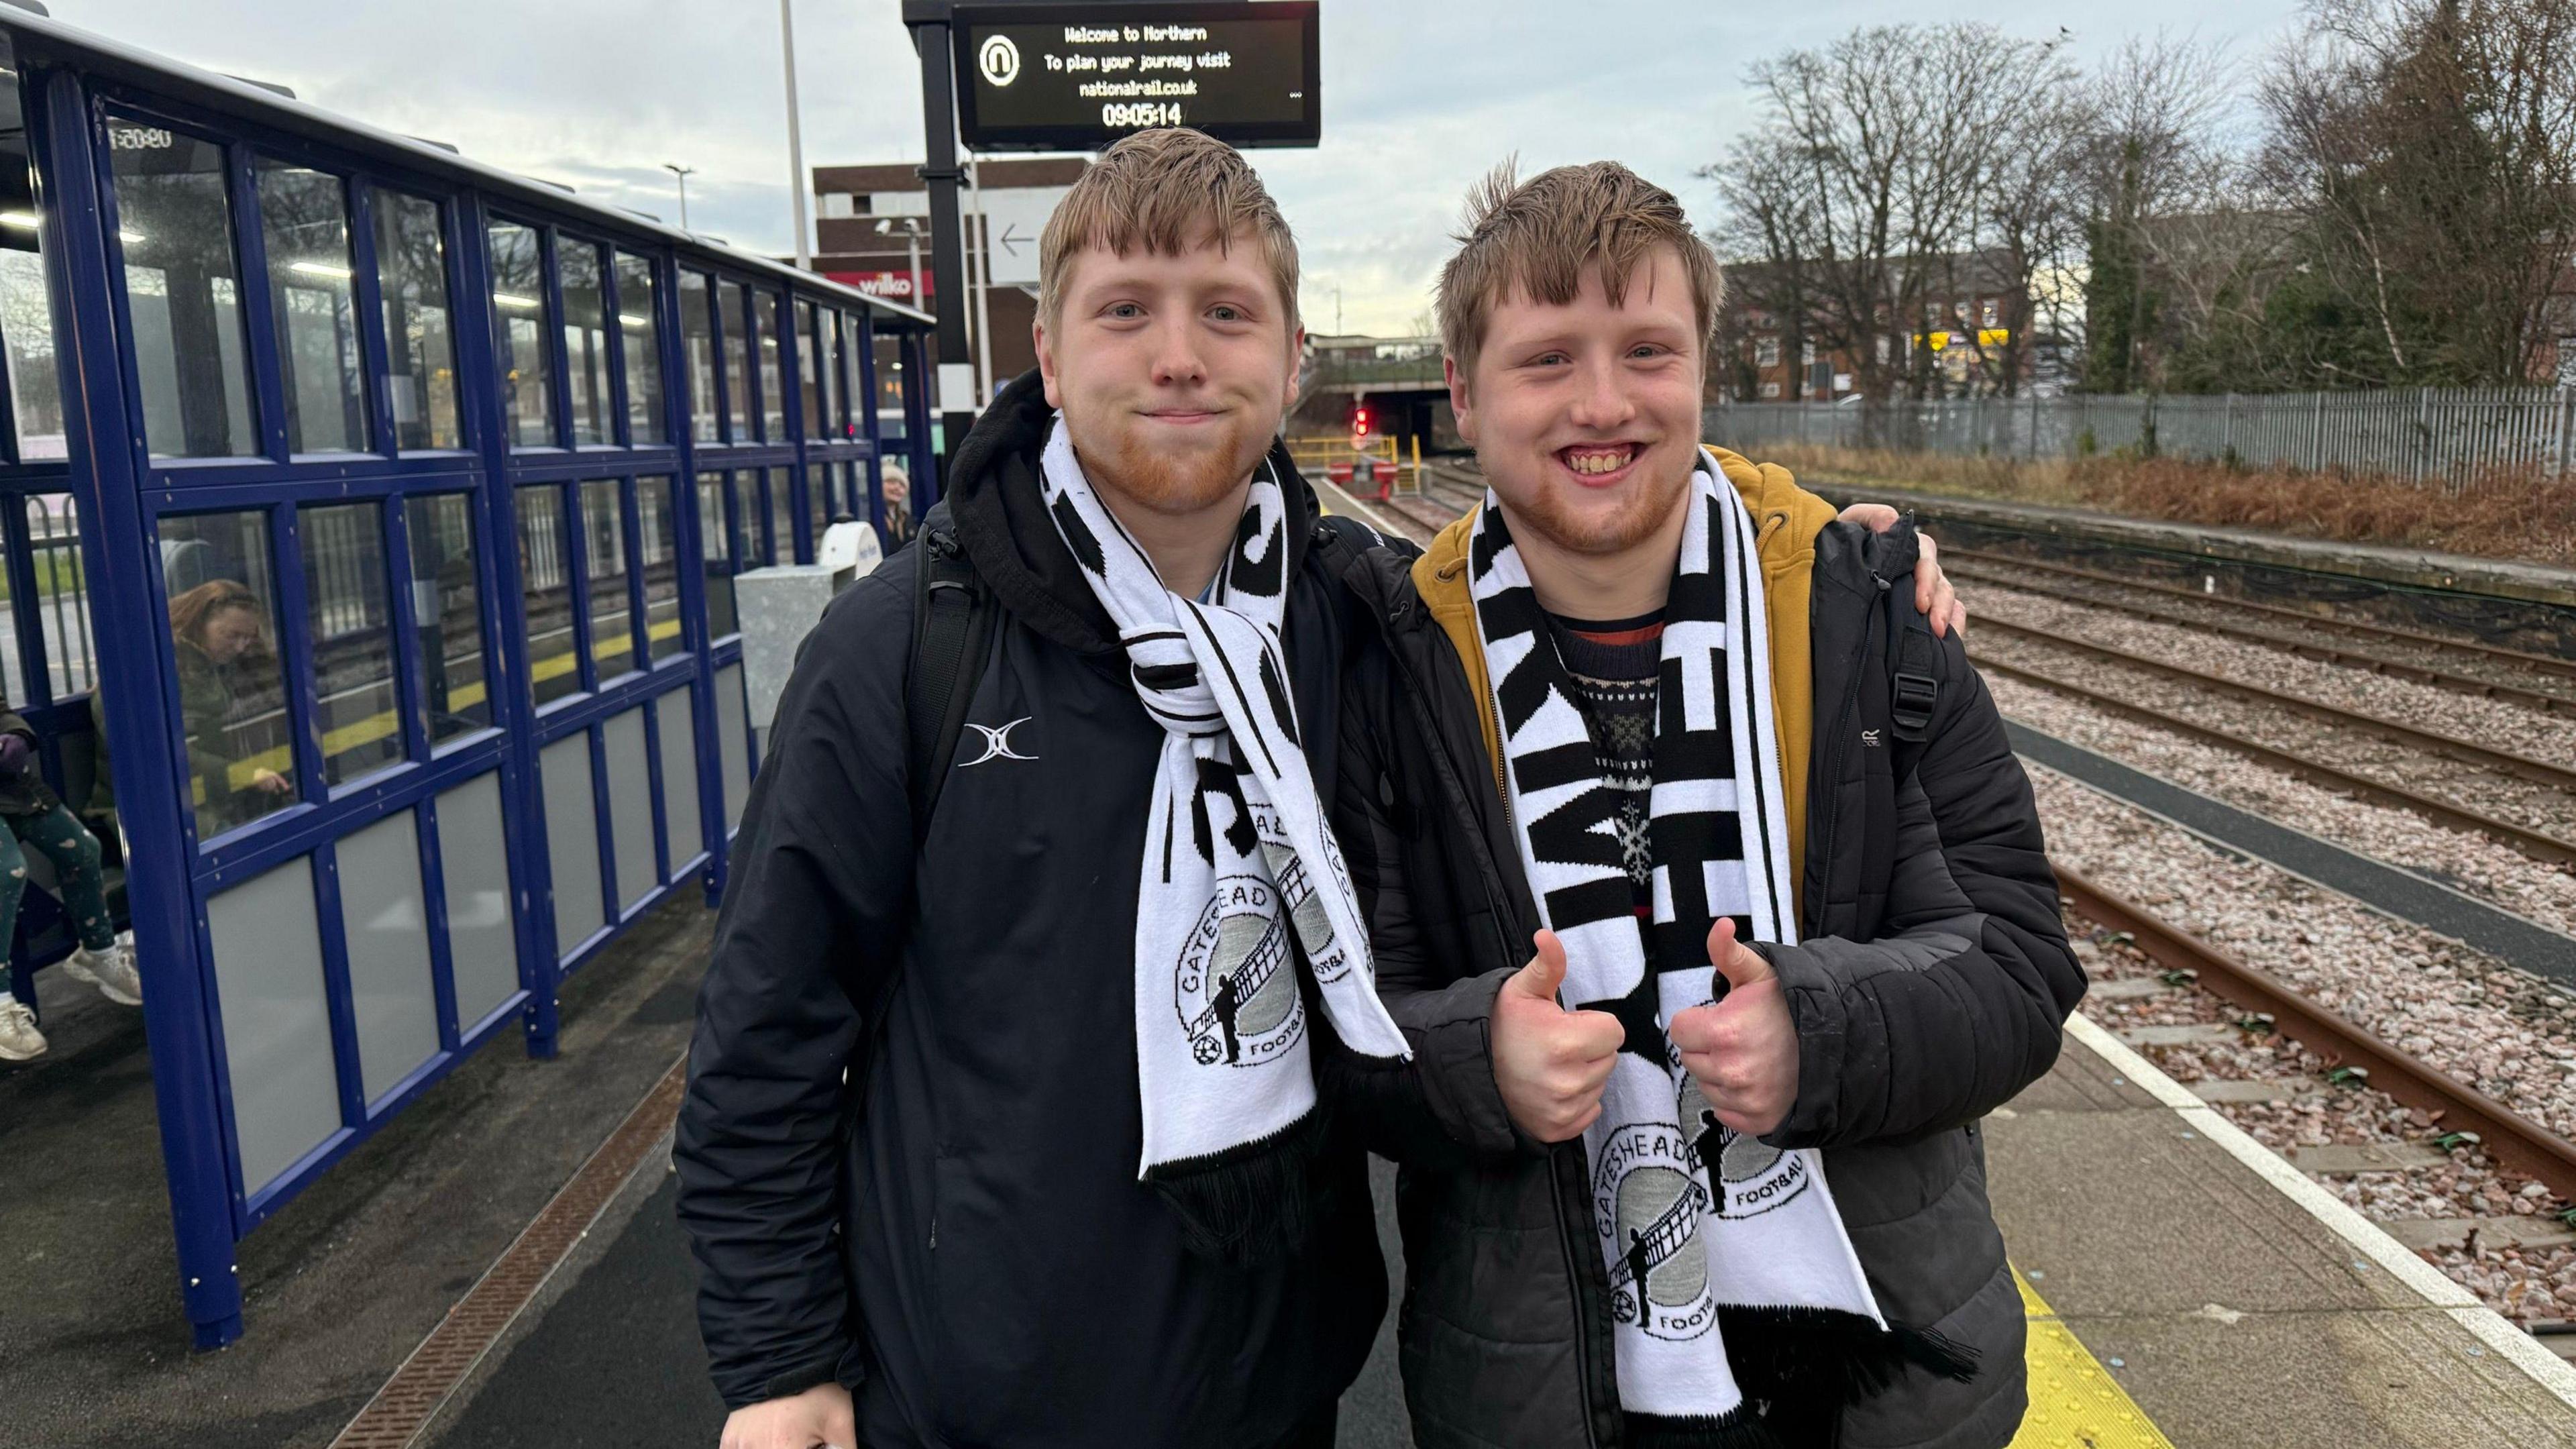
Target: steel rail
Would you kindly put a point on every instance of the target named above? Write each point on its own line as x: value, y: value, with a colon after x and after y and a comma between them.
x: 2565, y: 668
x: 2512, y: 1138
x: 2536, y: 844
x: 2523, y: 766
x: 1976, y: 572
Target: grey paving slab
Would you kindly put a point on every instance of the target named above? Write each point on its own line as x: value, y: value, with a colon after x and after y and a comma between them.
x: 2233, y: 1317
x: 2127, y: 1215
x: 2335, y: 1158
x: 2180, y: 1033
x: 2226, y: 1091
x: 2369, y: 1379
x: 2509, y: 1232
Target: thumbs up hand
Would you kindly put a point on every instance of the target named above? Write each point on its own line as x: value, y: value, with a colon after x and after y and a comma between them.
x: 1550, y: 1063
x: 1744, y: 1049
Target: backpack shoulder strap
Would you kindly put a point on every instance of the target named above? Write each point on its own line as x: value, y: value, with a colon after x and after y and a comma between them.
x: 1913, y: 669
x: 952, y: 635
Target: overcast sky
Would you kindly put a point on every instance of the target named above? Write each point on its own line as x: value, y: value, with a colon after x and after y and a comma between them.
x: 1419, y: 98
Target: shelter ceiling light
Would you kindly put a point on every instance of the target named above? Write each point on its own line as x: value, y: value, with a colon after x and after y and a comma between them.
x: 22, y: 220
x: 320, y: 269
x: 506, y: 299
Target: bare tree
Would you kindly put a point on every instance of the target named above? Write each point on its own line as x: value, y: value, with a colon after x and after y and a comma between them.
x: 2432, y: 146
x: 1767, y: 226
x: 1901, y: 168
x: 2163, y: 217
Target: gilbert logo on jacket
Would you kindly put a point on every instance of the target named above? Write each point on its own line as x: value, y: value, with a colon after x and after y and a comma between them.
x: 997, y: 741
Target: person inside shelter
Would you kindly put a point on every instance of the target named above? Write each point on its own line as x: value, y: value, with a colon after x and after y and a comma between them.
x: 38, y: 820
x: 219, y: 633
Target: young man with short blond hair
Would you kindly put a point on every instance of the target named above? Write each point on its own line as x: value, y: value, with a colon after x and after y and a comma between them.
x: 1707, y: 887
x: 1079, y: 1188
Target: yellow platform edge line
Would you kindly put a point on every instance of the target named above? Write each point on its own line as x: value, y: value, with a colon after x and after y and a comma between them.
x: 2074, y: 1401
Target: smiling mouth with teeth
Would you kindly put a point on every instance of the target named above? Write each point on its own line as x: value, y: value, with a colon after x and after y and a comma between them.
x: 1599, y: 460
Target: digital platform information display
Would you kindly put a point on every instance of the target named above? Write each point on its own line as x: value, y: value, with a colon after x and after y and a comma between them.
x: 1077, y: 77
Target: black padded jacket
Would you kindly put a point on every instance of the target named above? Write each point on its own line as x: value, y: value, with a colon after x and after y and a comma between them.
x: 1931, y: 985
x: 971, y: 1251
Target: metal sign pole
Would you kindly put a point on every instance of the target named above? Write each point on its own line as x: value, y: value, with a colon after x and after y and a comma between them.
x: 941, y: 173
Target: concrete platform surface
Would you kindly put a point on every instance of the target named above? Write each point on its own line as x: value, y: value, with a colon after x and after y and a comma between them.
x: 2227, y: 1300
x: 343, y: 1282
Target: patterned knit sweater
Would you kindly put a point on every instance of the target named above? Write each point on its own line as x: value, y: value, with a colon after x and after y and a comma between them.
x: 1613, y: 666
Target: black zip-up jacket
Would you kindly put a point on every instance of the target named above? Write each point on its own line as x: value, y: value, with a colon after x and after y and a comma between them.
x: 1929, y: 987
x: 972, y: 1253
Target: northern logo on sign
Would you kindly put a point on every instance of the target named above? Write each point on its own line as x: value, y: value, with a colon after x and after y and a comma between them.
x: 999, y: 59
x: 997, y: 742
x: 1236, y: 982
x: 1648, y: 1201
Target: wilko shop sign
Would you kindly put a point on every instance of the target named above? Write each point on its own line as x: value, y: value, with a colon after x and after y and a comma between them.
x: 887, y: 286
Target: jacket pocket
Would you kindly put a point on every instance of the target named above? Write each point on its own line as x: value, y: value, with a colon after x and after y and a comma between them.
x: 979, y: 1334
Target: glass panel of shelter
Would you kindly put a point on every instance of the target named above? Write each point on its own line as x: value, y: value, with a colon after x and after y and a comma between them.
x: 349, y: 610
x: 612, y: 613
x: 454, y: 698
x: 718, y: 550
x: 815, y: 386
x: 182, y: 291
x: 304, y: 232
x: 698, y: 355
x: 232, y: 694
x: 639, y: 324
x: 420, y: 340
x: 586, y: 337
x: 519, y: 325
x: 770, y: 325
x: 545, y: 582
x: 657, y: 510
x: 733, y: 319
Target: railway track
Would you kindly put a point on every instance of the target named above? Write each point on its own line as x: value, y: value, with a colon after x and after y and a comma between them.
x: 2521, y: 766
x: 2034, y: 577
x: 2536, y: 844
x: 2513, y: 1139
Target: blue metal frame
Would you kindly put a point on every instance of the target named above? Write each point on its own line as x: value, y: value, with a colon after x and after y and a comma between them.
x: 71, y: 85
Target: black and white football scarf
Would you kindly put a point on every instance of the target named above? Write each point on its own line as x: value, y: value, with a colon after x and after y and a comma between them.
x: 1237, y: 854
x: 1694, y: 1223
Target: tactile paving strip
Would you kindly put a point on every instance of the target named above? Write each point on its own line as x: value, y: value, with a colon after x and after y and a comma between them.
x: 395, y: 1417
x: 2074, y: 1401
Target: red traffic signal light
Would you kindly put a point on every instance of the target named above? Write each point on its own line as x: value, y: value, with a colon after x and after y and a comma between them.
x: 1360, y: 422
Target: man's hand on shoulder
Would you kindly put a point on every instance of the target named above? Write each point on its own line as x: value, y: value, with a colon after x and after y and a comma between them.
x: 1933, y: 596
x: 822, y: 1415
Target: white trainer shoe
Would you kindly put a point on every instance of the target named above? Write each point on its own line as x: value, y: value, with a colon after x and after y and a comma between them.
x: 110, y: 970
x: 19, y: 1039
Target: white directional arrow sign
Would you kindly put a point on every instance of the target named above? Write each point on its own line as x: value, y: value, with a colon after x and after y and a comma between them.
x: 1014, y: 217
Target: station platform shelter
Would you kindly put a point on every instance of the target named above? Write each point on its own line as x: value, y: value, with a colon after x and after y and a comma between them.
x: 371, y: 522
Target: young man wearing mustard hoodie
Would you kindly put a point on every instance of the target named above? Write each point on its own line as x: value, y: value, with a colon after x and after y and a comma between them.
x: 1706, y: 888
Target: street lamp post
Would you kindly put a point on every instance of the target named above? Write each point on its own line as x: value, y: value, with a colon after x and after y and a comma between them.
x: 798, y: 182
x: 683, y: 173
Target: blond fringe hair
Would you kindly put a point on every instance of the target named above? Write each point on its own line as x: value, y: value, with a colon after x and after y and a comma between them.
x: 1534, y: 238
x: 1165, y: 190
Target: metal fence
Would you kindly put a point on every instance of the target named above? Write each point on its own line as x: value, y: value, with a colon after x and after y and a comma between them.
x: 2452, y: 435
